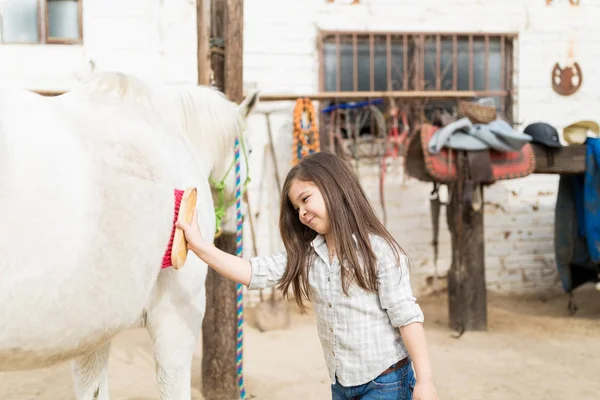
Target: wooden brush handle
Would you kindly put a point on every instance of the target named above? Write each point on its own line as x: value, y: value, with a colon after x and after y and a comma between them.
x: 179, y: 250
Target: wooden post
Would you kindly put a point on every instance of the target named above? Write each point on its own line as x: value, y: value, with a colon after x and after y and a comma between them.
x: 234, y: 51
x: 467, y: 299
x: 203, y: 17
x: 219, y: 377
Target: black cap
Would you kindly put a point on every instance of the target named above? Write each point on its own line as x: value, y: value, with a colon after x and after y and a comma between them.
x: 544, y: 134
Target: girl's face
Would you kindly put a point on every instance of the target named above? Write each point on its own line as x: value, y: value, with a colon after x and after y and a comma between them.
x: 310, y: 205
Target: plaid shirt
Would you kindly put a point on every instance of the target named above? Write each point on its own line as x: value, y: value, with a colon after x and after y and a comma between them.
x: 359, y: 333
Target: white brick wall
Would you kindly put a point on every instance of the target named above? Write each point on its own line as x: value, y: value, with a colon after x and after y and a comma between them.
x: 280, y: 56
x: 151, y: 38
x: 158, y: 39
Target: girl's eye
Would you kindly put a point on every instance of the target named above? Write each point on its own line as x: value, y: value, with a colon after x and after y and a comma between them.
x: 306, y: 198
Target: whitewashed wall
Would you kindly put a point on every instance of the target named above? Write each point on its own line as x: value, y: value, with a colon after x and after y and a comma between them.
x: 280, y: 56
x: 157, y: 39
x: 151, y: 38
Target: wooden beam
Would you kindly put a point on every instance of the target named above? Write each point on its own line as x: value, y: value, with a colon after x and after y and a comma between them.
x: 567, y: 160
x: 467, y: 297
x: 49, y: 93
x: 203, y: 17
x: 384, y: 94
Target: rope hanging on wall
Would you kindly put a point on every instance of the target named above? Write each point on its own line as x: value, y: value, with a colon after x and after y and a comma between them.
x: 306, y: 131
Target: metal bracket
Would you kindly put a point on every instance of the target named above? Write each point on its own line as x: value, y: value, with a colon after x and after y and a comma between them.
x: 217, y: 42
x: 217, y: 45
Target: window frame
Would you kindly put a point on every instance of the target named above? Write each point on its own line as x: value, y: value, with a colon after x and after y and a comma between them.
x: 43, y: 28
x: 413, y: 85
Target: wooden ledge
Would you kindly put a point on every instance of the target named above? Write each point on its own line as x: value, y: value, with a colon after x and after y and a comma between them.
x: 567, y: 160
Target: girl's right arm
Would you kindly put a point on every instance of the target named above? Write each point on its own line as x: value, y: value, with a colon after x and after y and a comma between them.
x: 232, y: 267
x: 257, y: 273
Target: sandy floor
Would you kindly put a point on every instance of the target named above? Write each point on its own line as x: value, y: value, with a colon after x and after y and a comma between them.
x: 532, y: 350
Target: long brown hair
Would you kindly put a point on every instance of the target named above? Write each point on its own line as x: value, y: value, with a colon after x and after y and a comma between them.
x: 350, y: 213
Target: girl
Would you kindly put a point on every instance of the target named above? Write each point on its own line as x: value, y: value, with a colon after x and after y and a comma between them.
x: 342, y: 259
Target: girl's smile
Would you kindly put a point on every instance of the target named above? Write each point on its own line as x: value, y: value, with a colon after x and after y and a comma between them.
x: 310, y: 205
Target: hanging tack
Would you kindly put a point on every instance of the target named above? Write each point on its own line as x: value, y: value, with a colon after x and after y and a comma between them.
x: 306, y: 132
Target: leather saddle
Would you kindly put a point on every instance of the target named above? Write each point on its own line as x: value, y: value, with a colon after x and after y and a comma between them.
x: 485, y: 165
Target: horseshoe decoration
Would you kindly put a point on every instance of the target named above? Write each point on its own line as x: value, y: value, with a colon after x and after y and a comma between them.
x: 566, y: 81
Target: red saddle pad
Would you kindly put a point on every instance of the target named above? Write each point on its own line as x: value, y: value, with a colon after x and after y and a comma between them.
x: 441, y: 167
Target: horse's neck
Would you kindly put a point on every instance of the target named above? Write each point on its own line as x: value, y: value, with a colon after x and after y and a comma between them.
x: 200, y: 117
x: 211, y: 156
x: 177, y: 108
x: 209, y: 137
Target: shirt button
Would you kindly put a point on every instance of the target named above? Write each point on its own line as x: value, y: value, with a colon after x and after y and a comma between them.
x: 331, y: 330
x: 328, y: 279
x: 329, y: 305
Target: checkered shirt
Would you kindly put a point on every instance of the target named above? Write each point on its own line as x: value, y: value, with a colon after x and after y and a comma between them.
x: 359, y: 333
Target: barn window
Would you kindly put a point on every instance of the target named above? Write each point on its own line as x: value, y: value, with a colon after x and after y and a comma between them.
x: 42, y: 22
x: 429, y: 65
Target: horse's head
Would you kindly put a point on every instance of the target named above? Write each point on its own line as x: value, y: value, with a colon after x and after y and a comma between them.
x: 216, y: 129
x: 231, y: 167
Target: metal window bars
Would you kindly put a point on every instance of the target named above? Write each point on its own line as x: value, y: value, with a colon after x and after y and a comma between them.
x: 419, y: 70
x: 432, y: 65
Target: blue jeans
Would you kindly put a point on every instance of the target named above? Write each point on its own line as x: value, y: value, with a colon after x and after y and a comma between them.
x: 396, y: 385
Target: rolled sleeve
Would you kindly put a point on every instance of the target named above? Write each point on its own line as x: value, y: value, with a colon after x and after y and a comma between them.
x: 395, y: 293
x: 267, y: 271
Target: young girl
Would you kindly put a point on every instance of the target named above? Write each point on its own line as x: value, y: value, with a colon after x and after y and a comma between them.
x: 342, y: 259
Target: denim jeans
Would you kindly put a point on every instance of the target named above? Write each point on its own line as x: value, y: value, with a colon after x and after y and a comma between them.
x: 397, y: 385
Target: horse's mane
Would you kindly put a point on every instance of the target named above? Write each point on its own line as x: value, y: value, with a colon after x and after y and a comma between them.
x: 119, y: 85
x: 201, y: 111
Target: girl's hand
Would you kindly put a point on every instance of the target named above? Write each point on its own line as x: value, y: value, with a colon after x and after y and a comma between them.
x: 231, y: 267
x: 425, y: 391
x: 192, y: 233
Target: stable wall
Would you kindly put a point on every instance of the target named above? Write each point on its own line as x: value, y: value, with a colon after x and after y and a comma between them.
x: 281, y: 57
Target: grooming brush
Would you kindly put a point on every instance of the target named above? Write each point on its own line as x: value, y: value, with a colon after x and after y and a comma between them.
x: 176, y: 253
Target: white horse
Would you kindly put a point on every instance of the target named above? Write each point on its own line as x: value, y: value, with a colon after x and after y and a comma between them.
x: 86, y: 212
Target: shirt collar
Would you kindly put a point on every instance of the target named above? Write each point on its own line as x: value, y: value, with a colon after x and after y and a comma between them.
x: 317, y: 241
x: 320, y: 240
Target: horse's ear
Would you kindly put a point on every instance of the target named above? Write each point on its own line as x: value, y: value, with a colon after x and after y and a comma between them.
x: 249, y: 103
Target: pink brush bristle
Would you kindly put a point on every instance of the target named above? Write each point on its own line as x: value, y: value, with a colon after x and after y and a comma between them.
x: 166, y: 262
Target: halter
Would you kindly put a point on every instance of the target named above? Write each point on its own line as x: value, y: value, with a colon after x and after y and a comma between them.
x: 221, y: 206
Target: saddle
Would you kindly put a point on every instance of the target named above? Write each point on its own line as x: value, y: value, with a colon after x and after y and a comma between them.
x: 485, y: 166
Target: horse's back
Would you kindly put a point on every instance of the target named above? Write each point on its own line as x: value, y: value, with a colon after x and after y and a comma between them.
x: 87, y: 211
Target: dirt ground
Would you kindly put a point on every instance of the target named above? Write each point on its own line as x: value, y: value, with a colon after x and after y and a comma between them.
x: 532, y: 350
